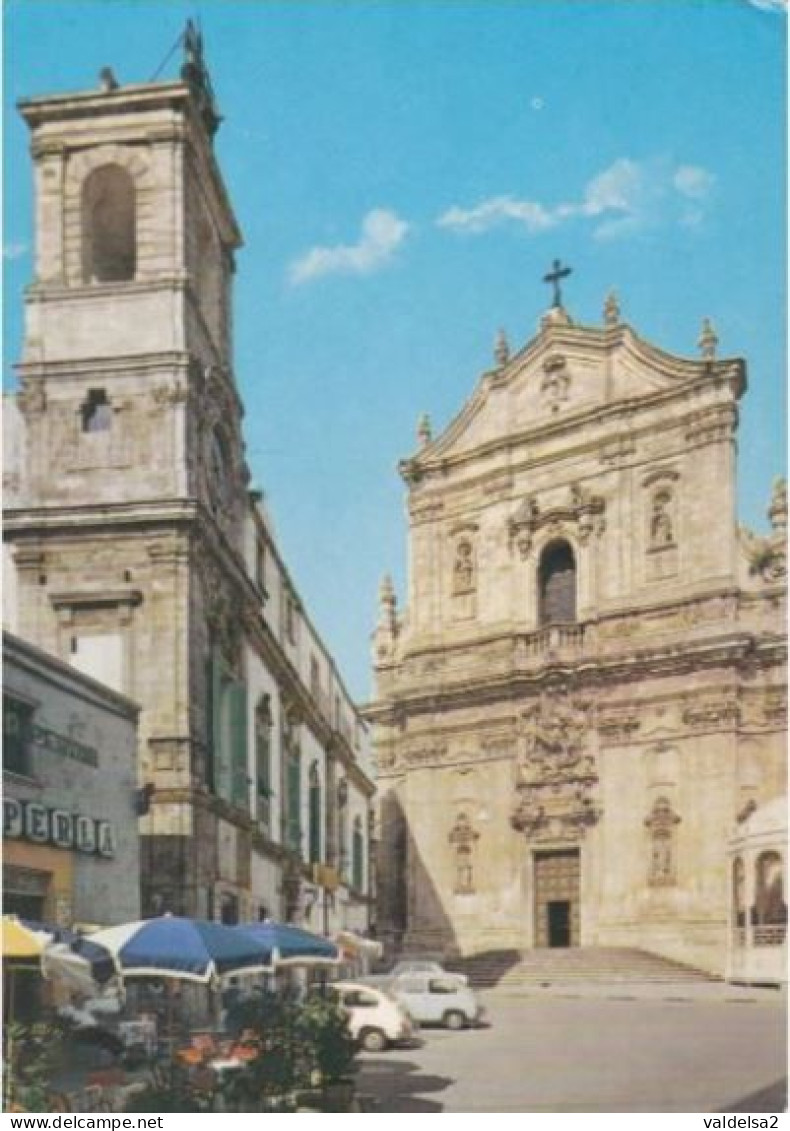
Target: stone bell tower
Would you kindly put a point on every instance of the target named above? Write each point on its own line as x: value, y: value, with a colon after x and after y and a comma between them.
x: 127, y: 528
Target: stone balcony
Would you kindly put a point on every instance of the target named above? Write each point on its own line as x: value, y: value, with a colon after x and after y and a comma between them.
x: 440, y: 662
x: 555, y: 641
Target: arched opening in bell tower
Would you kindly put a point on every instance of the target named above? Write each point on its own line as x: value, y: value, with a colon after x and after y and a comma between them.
x: 109, y: 222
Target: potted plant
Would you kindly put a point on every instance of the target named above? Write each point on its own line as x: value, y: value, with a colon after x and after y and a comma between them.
x: 169, y: 1089
x: 325, y: 1029
x: 30, y: 1055
x: 270, y: 1080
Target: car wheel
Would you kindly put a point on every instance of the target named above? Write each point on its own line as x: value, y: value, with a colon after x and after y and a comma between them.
x: 454, y: 1020
x: 373, y: 1040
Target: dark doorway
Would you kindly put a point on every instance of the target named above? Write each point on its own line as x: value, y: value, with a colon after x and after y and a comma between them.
x: 557, y: 888
x: 559, y: 923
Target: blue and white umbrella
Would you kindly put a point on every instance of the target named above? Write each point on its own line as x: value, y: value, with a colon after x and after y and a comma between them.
x: 172, y: 947
x: 81, y: 964
x: 290, y: 945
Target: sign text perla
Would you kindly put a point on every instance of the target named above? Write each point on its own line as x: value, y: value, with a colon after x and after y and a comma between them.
x: 29, y: 820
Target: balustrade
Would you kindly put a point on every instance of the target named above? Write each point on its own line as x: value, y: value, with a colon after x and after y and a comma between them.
x: 769, y: 935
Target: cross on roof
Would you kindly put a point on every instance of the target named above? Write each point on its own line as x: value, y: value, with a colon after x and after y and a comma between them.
x: 558, y: 272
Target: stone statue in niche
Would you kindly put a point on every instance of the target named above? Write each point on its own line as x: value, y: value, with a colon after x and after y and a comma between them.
x: 661, y: 533
x: 463, y: 568
x: 661, y: 823
x: 462, y: 838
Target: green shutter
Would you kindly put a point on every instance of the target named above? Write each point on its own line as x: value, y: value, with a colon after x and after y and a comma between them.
x: 263, y: 773
x: 217, y: 753
x: 315, y: 823
x: 237, y: 693
x: 294, y: 802
x: 17, y: 718
x: 356, y: 864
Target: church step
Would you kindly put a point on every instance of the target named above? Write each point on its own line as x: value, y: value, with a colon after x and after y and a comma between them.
x: 575, y: 965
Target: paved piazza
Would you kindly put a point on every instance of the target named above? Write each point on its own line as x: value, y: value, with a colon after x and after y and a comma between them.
x: 604, y: 1054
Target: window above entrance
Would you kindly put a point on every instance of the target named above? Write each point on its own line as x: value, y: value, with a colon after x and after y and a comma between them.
x: 557, y: 584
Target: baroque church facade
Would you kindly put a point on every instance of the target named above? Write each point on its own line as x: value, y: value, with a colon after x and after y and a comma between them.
x: 138, y: 549
x: 585, y: 691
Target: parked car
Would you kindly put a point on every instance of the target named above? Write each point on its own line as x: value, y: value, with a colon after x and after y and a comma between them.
x: 438, y: 999
x: 375, y: 1018
x: 424, y: 966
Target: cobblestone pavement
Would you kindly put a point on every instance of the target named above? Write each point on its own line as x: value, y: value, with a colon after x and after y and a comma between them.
x: 597, y: 1052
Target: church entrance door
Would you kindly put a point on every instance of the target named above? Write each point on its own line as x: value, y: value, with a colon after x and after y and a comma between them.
x: 559, y: 922
x: 557, y: 898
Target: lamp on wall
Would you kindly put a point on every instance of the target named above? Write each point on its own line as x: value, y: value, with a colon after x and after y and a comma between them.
x: 142, y: 798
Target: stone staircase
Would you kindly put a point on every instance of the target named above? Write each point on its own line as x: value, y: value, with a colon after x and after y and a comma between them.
x: 502, y: 969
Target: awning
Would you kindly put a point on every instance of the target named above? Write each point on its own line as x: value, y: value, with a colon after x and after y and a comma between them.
x: 353, y: 945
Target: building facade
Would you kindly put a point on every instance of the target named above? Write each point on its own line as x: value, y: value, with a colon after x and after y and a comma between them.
x: 138, y: 550
x: 587, y: 684
x: 71, y: 847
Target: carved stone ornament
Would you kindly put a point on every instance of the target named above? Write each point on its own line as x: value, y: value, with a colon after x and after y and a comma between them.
x: 386, y: 632
x: 386, y: 759
x: 463, y: 580
x: 661, y: 525
x: 166, y: 395
x: 712, y: 425
x: 618, y: 727
x: 767, y: 556
x: 555, y: 770
x: 661, y: 825
x: 426, y: 754
x: 410, y: 471
x: 222, y: 611
x: 777, y: 511
x: 555, y: 385
x: 775, y: 709
x: 584, y: 510
x: 712, y: 714
x: 462, y: 838
x: 33, y: 398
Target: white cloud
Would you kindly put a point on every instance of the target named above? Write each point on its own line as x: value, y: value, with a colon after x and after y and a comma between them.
x: 616, y: 189
x: 693, y: 181
x: 14, y: 250
x: 769, y: 5
x: 382, y: 233
x: 500, y: 209
x: 622, y: 199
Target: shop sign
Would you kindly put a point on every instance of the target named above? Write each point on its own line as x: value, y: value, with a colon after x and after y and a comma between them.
x: 67, y: 747
x: 28, y: 820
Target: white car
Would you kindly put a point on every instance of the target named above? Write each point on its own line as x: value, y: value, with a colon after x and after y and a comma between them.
x: 375, y: 1018
x: 437, y: 999
x: 424, y: 966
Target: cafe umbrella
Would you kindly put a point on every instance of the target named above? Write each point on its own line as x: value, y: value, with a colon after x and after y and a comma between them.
x: 179, y: 949
x: 170, y: 946
x: 22, y: 947
x: 82, y: 965
x: 290, y: 945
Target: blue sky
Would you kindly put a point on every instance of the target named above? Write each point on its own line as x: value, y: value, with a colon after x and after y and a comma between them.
x: 403, y: 174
